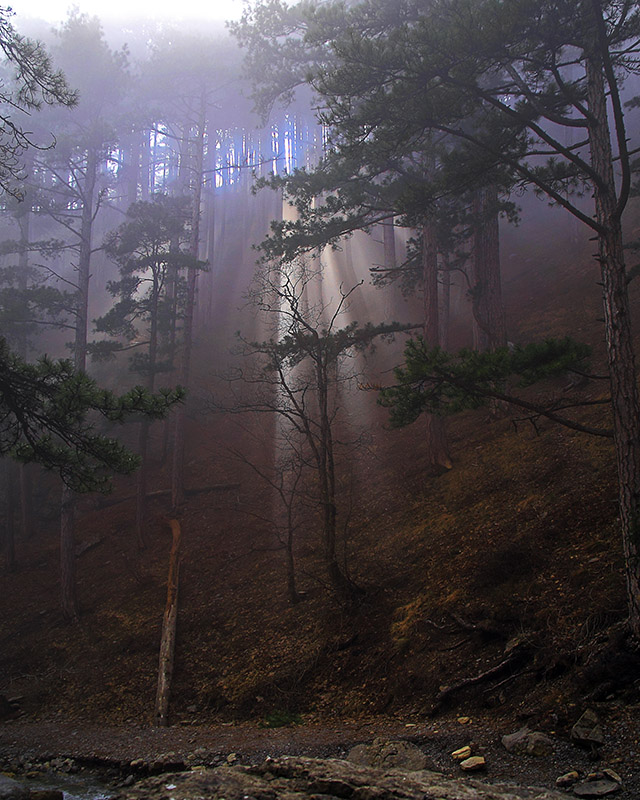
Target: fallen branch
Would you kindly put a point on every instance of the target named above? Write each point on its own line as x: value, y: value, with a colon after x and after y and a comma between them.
x: 515, y: 658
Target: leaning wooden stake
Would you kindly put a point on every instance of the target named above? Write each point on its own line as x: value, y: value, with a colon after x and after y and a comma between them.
x: 168, y: 641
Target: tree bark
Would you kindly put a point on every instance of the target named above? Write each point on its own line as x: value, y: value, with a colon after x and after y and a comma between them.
x: 389, y: 243
x: 169, y: 624
x: 68, y: 590
x: 489, y: 330
x: 177, y: 472
x: 435, y: 426
x: 67, y: 514
x: 621, y: 361
x: 9, y: 521
x: 143, y: 437
x: 26, y: 521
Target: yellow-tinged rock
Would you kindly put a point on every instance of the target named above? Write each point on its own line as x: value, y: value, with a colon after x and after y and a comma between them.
x: 473, y: 764
x: 461, y: 753
x: 464, y: 720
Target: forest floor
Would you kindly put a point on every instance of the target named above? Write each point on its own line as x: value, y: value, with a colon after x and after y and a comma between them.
x: 111, y: 749
x: 512, y: 556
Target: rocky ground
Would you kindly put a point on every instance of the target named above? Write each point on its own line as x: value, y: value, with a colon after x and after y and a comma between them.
x: 604, y: 758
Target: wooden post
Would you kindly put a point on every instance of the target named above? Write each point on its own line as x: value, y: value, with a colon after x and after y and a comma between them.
x: 168, y: 640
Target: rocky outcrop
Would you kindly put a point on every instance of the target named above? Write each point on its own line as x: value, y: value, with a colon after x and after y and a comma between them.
x: 297, y: 778
x: 587, y: 731
x: 12, y: 790
x: 530, y: 743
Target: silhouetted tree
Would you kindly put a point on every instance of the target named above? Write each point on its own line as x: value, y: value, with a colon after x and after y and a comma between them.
x: 143, y: 316
x: 295, y: 374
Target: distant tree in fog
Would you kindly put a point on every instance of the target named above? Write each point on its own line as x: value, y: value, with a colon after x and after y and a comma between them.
x: 295, y: 375
x: 29, y: 82
x: 145, y: 311
x: 47, y: 409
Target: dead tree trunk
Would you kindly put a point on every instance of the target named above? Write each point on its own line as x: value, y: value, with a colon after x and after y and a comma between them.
x: 169, y: 624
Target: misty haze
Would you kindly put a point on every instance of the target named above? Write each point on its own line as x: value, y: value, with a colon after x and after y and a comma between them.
x: 320, y: 426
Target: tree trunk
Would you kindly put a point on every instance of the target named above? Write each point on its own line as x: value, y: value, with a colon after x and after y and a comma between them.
x: 145, y: 164
x: 169, y: 624
x: 177, y: 472
x: 621, y: 362
x: 445, y: 311
x: 9, y: 522
x: 67, y: 515
x: 489, y: 330
x: 68, y: 590
x: 26, y: 523
x: 435, y: 426
x: 389, y: 243
x: 143, y: 437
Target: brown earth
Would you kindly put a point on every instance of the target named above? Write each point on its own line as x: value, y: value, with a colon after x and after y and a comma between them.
x: 517, y: 546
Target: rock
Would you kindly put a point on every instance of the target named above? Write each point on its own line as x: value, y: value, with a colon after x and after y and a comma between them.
x: 6, y: 708
x: 464, y: 720
x: 46, y: 794
x: 167, y: 762
x: 462, y: 753
x: 568, y: 779
x: 530, y: 743
x: 299, y: 778
x: 12, y: 790
x: 385, y: 755
x: 598, y: 788
x: 587, y: 730
x: 612, y: 774
x: 473, y: 764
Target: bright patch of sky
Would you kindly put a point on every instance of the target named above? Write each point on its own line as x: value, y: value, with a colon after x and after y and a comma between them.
x: 56, y: 11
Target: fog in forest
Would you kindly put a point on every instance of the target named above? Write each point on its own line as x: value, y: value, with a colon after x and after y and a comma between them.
x: 317, y: 366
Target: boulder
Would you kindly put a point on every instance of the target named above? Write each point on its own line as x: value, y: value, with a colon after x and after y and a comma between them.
x: 167, y: 762
x: 46, y: 794
x: 587, y: 730
x: 530, y: 743
x: 12, y: 790
x: 599, y: 788
x: 388, y: 754
x: 299, y: 778
x: 6, y: 708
